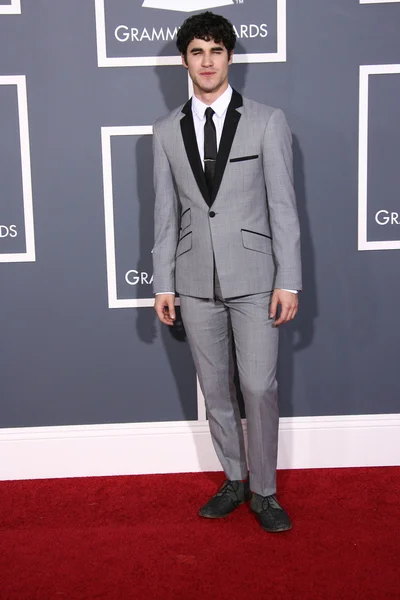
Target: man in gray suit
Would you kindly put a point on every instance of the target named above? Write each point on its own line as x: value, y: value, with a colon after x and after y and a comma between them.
x: 227, y: 240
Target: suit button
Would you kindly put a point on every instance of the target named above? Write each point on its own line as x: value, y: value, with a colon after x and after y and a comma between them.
x: 211, y: 214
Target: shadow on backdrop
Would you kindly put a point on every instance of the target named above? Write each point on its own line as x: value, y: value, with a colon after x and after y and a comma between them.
x: 147, y: 324
x: 298, y: 334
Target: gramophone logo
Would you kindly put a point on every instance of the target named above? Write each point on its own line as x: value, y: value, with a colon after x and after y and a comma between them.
x: 186, y: 5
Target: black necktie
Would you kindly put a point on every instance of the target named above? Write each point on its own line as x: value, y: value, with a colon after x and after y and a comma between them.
x: 210, y: 148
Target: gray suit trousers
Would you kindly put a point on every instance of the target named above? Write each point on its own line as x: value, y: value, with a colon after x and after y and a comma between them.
x: 209, y: 325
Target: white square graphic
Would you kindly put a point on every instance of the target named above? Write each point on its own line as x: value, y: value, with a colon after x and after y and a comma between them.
x: 113, y: 300
x: 187, y: 6
x: 378, y: 1
x: 106, y: 134
x: 151, y: 61
x: 11, y: 9
x: 363, y: 243
x: 29, y: 254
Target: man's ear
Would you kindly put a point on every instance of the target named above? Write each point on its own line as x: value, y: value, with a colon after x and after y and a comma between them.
x: 231, y: 58
x: 184, y: 61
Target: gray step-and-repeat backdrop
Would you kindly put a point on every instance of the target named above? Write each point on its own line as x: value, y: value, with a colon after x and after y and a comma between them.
x: 81, y: 83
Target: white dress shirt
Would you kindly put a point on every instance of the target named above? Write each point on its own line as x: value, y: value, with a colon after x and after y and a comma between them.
x: 220, y: 106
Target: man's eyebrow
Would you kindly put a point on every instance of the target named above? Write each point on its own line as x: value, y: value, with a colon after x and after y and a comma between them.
x: 197, y: 49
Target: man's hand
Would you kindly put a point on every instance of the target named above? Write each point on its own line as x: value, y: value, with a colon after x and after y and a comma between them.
x: 164, y: 305
x: 289, y: 303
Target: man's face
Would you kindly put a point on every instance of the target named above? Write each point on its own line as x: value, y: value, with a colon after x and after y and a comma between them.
x: 208, y: 64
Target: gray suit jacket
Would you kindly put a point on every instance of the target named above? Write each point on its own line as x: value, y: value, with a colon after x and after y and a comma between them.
x: 249, y: 225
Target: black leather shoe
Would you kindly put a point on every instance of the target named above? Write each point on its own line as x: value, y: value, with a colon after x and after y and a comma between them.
x: 229, y: 496
x: 270, y: 514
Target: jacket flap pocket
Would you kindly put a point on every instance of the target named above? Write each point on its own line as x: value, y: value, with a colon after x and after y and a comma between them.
x: 185, y: 219
x: 184, y: 244
x: 256, y: 241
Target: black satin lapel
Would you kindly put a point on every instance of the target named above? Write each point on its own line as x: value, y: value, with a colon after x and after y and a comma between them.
x: 228, y: 134
x: 192, y: 151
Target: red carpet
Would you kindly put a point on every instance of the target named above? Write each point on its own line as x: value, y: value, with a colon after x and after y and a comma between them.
x: 139, y: 537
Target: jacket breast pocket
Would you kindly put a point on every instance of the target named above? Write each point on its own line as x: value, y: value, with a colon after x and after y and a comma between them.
x: 185, y: 219
x: 259, y: 242
x: 184, y: 244
x: 243, y: 158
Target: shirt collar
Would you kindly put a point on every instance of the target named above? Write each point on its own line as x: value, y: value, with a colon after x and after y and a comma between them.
x: 219, y: 106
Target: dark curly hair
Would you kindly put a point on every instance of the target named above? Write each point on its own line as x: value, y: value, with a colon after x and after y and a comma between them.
x: 206, y: 26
